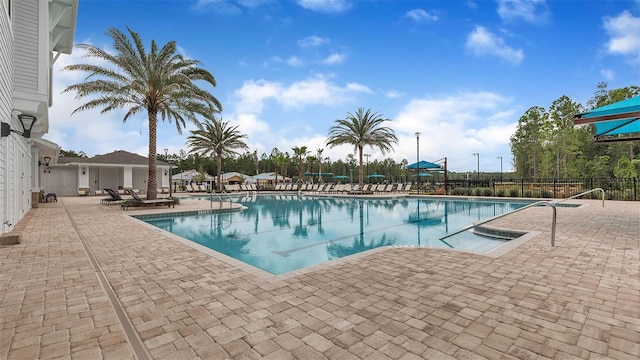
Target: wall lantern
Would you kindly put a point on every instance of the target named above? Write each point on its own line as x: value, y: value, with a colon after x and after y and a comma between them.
x: 26, y: 121
x: 47, y: 160
x: 84, y: 171
x: 166, y: 173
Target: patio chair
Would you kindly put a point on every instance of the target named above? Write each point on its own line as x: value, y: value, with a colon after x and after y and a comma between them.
x: 49, y: 197
x: 138, y: 201
x: 114, y: 196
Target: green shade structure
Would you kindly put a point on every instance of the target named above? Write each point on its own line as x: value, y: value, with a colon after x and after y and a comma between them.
x: 341, y: 177
x: 619, y: 121
x: 375, y: 176
x: 423, y: 174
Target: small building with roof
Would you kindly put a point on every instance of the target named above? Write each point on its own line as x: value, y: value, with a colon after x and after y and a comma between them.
x: 118, y: 170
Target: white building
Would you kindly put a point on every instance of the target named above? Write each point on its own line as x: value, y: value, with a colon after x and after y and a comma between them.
x: 33, y: 34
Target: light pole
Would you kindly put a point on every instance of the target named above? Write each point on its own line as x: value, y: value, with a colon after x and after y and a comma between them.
x: 166, y: 156
x: 500, y: 157
x: 418, y: 158
x: 367, y: 156
x: 477, y: 155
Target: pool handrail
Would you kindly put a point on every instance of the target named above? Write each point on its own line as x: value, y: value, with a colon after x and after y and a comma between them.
x: 583, y: 193
x: 220, y: 201
x: 542, y: 202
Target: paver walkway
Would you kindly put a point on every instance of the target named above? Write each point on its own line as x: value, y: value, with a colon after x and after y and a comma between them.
x: 89, y: 283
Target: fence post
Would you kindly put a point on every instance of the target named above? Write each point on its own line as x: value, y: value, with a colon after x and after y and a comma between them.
x: 522, y: 187
x: 635, y: 189
x: 555, y: 192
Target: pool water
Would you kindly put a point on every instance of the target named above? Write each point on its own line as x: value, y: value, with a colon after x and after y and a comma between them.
x: 282, y: 233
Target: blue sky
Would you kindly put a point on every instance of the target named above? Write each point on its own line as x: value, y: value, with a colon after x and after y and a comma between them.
x: 459, y: 72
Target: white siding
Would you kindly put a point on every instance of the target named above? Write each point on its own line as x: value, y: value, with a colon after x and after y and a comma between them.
x: 26, y: 23
x: 6, y: 81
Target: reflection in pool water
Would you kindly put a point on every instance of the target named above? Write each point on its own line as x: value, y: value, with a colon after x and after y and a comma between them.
x: 280, y: 233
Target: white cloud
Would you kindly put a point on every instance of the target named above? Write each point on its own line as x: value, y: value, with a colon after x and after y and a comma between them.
x: 533, y: 11
x: 608, y: 74
x: 624, y: 35
x: 294, y: 61
x: 312, y: 41
x: 393, y: 94
x: 457, y: 126
x: 420, y: 15
x: 334, y: 59
x: 482, y: 42
x: 325, y: 5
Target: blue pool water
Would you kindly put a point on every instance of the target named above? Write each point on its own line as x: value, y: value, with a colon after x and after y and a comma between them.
x: 281, y: 233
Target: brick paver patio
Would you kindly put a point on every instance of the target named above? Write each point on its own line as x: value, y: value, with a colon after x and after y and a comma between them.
x: 87, y: 282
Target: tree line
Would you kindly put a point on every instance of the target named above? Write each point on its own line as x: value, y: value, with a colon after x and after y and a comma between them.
x: 547, y: 145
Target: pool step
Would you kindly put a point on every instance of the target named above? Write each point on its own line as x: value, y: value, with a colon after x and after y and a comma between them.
x: 497, y: 233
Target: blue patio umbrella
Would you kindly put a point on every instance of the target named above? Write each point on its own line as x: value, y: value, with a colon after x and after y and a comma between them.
x: 341, y: 177
x: 375, y: 176
x: 424, y: 165
x: 423, y: 174
x: 613, y: 120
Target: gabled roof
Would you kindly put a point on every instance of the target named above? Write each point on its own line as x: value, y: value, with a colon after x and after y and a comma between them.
x: 119, y: 157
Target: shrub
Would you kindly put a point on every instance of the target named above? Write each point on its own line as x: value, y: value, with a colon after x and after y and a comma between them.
x: 500, y: 193
x: 478, y: 192
x: 514, y: 192
x: 487, y: 192
x: 527, y: 193
x: 459, y: 191
x: 546, y: 194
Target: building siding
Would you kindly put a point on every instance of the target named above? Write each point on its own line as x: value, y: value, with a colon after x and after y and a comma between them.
x: 6, y: 83
x: 26, y: 23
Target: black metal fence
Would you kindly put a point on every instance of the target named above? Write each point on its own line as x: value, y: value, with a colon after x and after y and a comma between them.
x: 627, y: 189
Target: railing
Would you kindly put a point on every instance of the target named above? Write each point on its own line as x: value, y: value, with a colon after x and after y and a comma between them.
x: 584, y: 193
x: 220, y: 201
x: 545, y: 203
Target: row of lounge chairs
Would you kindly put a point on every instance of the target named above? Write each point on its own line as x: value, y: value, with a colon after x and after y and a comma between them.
x: 196, y: 188
x: 240, y: 187
x: 345, y: 188
x: 135, y: 200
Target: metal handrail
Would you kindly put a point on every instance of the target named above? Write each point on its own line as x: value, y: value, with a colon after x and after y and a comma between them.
x: 219, y: 195
x: 543, y: 202
x: 583, y: 193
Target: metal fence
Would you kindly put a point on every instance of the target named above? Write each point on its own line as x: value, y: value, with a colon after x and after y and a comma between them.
x: 627, y: 189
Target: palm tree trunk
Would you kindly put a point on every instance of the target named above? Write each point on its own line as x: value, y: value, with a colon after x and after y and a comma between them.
x: 360, y: 168
x: 152, y: 188
x: 219, y: 170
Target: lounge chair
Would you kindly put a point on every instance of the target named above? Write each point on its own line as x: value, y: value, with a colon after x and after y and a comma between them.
x: 49, y: 197
x: 114, y: 196
x: 138, y: 201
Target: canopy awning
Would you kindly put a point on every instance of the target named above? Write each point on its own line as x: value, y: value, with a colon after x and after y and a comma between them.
x: 619, y: 121
x: 424, y: 165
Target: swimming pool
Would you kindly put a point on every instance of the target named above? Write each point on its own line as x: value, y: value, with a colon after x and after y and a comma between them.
x: 282, y: 233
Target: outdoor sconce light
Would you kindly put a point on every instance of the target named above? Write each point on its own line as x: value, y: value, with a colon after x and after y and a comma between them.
x: 26, y: 121
x: 47, y: 169
x: 84, y: 171
x: 166, y: 173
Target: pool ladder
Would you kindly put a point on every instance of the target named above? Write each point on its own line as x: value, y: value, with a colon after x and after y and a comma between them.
x: 550, y: 203
x: 220, y: 200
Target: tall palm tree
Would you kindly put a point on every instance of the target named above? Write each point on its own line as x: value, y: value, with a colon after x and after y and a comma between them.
x: 216, y: 138
x: 281, y: 160
x: 300, y: 152
x: 159, y: 82
x: 361, y: 129
x: 319, y: 151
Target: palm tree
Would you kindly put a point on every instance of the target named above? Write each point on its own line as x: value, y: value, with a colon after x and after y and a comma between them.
x: 300, y: 152
x: 319, y: 151
x: 160, y: 82
x: 360, y: 129
x: 215, y: 137
x: 280, y: 160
